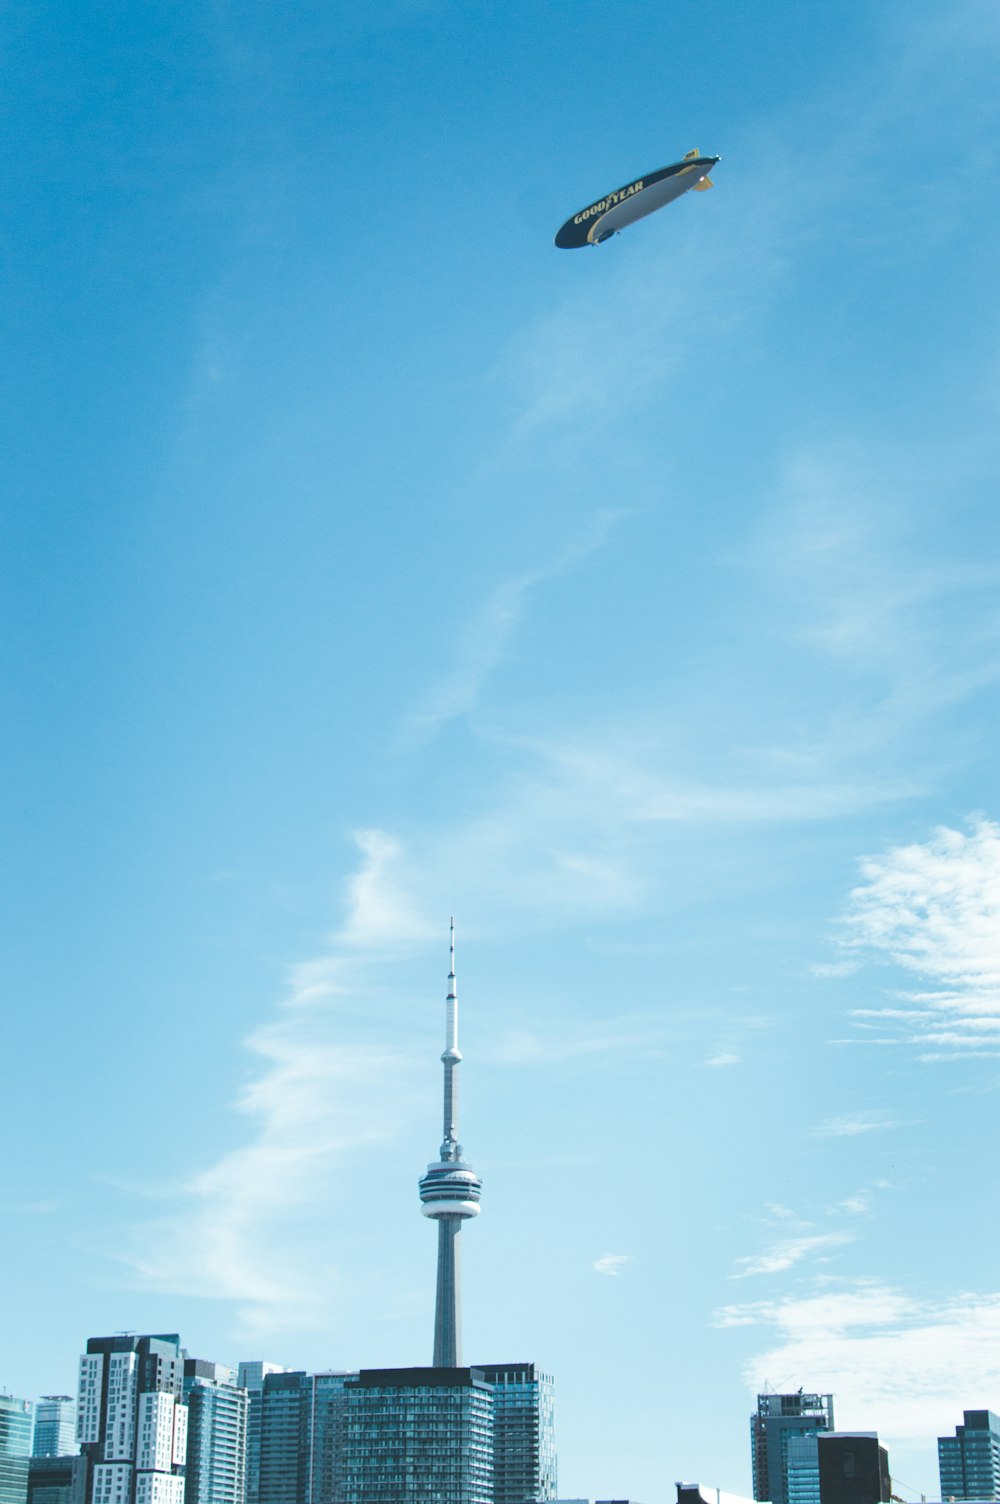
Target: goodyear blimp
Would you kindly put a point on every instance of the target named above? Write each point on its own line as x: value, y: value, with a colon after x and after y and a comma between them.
x: 643, y: 196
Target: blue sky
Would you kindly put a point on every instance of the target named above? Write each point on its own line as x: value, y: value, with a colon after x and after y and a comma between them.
x: 367, y: 560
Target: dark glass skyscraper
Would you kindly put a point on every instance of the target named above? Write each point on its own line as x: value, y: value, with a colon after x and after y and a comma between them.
x: 853, y: 1468
x: 783, y: 1445
x: 969, y: 1461
x: 57, y: 1480
x: 285, y: 1438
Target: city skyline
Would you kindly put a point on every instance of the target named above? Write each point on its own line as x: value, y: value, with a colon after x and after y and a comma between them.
x: 368, y: 559
x: 147, y: 1410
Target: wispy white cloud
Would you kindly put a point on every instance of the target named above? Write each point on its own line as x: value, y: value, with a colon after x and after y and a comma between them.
x: 862, y: 1201
x: 626, y: 1035
x: 787, y: 1252
x: 380, y: 910
x: 887, y: 1356
x: 856, y: 1205
x: 318, y: 1068
x: 484, y: 640
x: 908, y: 636
x: 611, y: 1263
x: 794, y: 1240
x: 642, y: 343
x: 850, y: 1124
x: 575, y: 830
x: 723, y: 1060
x: 933, y: 909
x: 232, y: 1236
x: 643, y: 788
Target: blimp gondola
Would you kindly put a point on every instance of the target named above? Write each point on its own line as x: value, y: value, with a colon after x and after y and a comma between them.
x: 600, y: 220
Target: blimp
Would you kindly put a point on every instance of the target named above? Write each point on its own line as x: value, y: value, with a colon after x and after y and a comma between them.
x: 601, y: 220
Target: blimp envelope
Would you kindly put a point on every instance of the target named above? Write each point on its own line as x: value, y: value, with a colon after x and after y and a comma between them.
x: 634, y: 201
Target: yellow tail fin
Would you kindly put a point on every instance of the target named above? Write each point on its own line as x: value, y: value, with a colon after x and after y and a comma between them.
x: 702, y: 184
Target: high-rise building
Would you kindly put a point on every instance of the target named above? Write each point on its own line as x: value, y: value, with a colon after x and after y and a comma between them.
x: 131, y: 1424
x: 524, y: 1448
x: 853, y: 1468
x: 215, y: 1472
x: 418, y: 1434
x: 783, y: 1445
x: 15, y: 1449
x: 57, y: 1480
x: 250, y: 1376
x: 55, y: 1426
x: 285, y: 1438
x: 449, y: 1193
x: 302, y: 1437
x: 328, y: 1435
x: 324, y: 1441
x: 801, y: 1459
x: 969, y: 1461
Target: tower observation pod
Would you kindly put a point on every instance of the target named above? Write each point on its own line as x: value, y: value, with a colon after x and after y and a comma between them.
x: 449, y: 1192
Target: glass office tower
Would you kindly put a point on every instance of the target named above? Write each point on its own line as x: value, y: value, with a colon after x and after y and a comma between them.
x: 782, y: 1439
x: 969, y: 1461
x: 15, y: 1449
x: 55, y: 1426
x: 801, y: 1463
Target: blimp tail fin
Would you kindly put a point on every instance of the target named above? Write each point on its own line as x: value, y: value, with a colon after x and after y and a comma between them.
x: 703, y: 183
x: 694, y: 152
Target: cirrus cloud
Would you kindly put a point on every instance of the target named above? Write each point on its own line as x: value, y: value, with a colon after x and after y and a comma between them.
x: 932, y: 908
x: 611, y: 1263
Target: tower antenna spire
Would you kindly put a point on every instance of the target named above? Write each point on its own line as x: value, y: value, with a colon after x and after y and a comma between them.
x: 450, y: 1191
x: 451, y: 1149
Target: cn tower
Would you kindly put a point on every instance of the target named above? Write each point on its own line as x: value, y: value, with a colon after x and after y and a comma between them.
x: 449, y: 1193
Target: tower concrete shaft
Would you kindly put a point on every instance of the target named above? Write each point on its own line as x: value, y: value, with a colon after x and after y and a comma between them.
x: 448, y: 1300
x: 449, y: 1192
